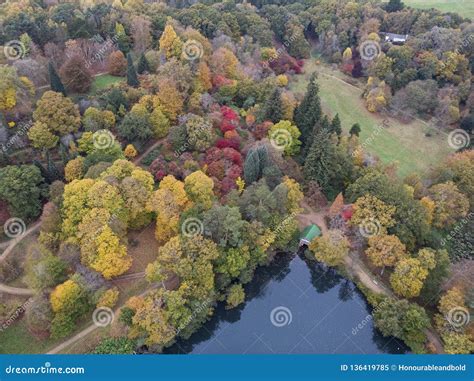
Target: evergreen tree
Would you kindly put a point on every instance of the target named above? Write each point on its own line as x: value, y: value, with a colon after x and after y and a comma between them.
x: 335, y: 126
x: 355, y: 129
x: 308, y: 113
x: 53, y: 172
x: 394, y: 6
x: 55, y: 81
x: 44, y: 172
x: 319, y: 163
x: 255, y: 163
x: 321, y: 125
x: 273, y: 109
x: 143, y: 64
x: 132, y: 79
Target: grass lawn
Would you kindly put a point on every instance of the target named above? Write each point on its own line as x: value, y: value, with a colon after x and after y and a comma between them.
x: 105, y: 80
x: 405, y: 144
x: 465, y: 8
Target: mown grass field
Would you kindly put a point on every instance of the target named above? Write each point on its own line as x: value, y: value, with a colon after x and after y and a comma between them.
x: 464, y: 7
x: 406, y: 144
x: 103, y: 81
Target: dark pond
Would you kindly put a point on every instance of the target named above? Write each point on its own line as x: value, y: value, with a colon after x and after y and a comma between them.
x: 295, y: 305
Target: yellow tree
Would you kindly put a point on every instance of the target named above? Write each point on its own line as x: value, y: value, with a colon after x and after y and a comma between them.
x: 408, y: 277
x: 199, y: 188
x: 112, y: 259
x: 385, y: 250
x: 336, y: 206
x: 170, y: 43
x: 74, y: 169
x: 168, y: 202
x: 65, y: 296
x: 294, y: 196
x: 170, y: 99
x: 58, y: 112
x: 332, y: 248
x: 370, y: 208
x: 41, y: 137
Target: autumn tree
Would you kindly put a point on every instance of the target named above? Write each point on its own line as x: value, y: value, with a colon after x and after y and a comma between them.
x: 117, y: 63
x: 76, y: 75
x: 170, y: 43
x: 199, y: 188
x: 450, y: 204
x: 336, y: 206
x: 74, y: 169
x: 68, y: 302
x: 332, y: 248
x: 95, y: 119
x: 58, y: 113
x: 168, y: 202
x: 41, y: 137
x: 408, y: 276
x: 385, y: 250
x: 371, y: 209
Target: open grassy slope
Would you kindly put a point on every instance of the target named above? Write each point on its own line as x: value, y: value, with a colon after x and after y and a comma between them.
x: 464, y: 7
x: 402, y: 143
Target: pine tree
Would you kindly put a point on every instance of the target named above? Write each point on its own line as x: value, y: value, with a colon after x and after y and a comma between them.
x: 273, y: 108
x: 53, y: 171
x: 319, y: 162
x: 255, y: 163
x: 132, y: 79
x: 321, y: 125
x: 55, y: 81
x: 308, y: 113
x: 142, y: 64
x: 335, y: 126
x: 44, y: 172
x: 355, y: 129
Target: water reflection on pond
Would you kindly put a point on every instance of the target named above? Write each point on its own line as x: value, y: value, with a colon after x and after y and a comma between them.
x: 314, y: 311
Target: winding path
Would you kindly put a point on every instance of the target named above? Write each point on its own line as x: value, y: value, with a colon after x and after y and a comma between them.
x: 356, y: 267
